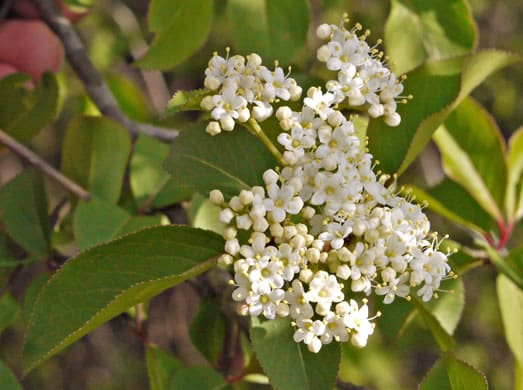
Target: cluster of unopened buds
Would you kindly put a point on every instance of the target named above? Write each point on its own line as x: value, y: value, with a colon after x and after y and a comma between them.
x: 324, y: 232
x: 245, y: 88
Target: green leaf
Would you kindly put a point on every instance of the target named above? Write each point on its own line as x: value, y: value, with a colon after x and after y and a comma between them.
x: 186, y: 101
x: 9, y: 309
x: 95, y: 153
x: 440, y: 334
x: 98, y: 221
x: 23, y: 111
x: 201, y: 163
x: 438, y: 87
x: 513, y: 200
x: 448, y: 308
x: 511, y: 305
x: 208, y: 330
x: 130, y: 97
x: 473, y: 152
x: 150, y: 183
x: 106, y: 280
x: 197, y: 378
x: 161, y: 367
x: 452, y: 202
x: 419, y: 30
x: 32, y: 293
x: 453, y: 374
x: 181, y: 28
x: 23, y: 206
x: 463, y: 376
x: 7, y: 379
x: 205, y: 215
x: 289, y: 365
x: 276, y: 30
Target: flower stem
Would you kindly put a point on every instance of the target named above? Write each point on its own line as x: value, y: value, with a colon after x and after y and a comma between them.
x: 255, y: 127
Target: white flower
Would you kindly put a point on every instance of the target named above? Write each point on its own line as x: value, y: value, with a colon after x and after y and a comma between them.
x: 282, y: 201
x: 320, y: 102
x: 309, y: 332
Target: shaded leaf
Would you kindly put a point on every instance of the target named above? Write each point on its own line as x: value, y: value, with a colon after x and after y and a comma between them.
x: 513, y: 199
x: 208, y: 330
x: 181, y: 28
x: 201, y: 163
x: 97, y: 221
x: 197, y: 378
x: 511, y: 305
x: 95, y: 153
x: 454, y: 203
x: 438, y: 87
x: 106, y: 280
x: 7, y: 379
x: 161, y: 367
x: 289, y: 365
x: 23, y: 207
x: 276, y: 30
x: 418, y: 30
x: 23, y: 111
x: 9, y: 309
x: 473, y: 153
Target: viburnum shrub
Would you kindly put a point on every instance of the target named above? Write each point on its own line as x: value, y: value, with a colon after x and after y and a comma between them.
x: 271, y: 226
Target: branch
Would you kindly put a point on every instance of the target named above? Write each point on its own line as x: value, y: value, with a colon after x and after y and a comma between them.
x: 96, y: 87
x: 33, y: 159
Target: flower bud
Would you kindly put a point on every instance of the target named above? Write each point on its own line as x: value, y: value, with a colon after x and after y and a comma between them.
x: 323, y: 31
x: 213, y: 128
x: 216, y: 197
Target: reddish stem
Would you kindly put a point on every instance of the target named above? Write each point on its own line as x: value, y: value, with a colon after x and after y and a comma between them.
x: 505, y: 231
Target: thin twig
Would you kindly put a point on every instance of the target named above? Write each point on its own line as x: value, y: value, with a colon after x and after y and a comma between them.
x: 33, y: 159
x: 96, y: 87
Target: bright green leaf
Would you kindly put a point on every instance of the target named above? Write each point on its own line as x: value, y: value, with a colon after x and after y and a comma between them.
x: 504, y: 266
x: 201, y: 163
x: 289, y: 365
x: 9, y: 309
x: 7, y: 379
x: 23, y: 207
x: 442, y: 337
x: 150, y: 183
x: 23, y: 111
x: 161, y: 367
x: 419, y: 30
x: 97, y: 221
x: 106, y: 280
x: 513, y: 200
x: 186, y: 101
x: 438, y: 87
x: 454, y: 203
x: 453, y: 374
x: 473, y: 153
x: 205, y: 215
x: 181, y: 28
x: 463, y: 376
x: 511, y: 305
x: 449, y: 306
x: 95, y: 153
x: 130, y: 97
x: 276, y: 30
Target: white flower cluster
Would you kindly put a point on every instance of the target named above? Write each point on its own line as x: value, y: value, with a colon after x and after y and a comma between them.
x: 324, y: 229
x: 245, y: 88
x: 362, y: 78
